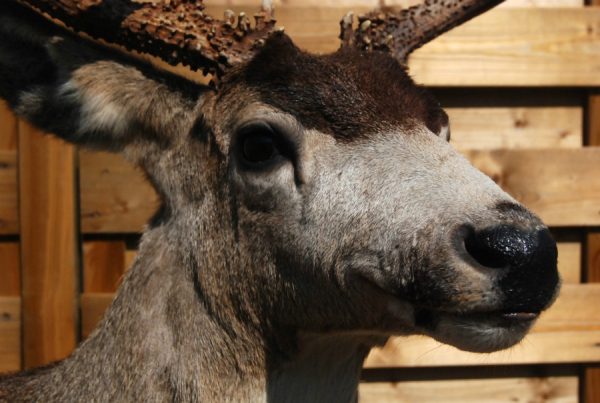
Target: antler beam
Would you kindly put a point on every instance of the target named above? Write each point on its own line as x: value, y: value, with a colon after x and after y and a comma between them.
x: 406, y: 30
x: 177, y: 31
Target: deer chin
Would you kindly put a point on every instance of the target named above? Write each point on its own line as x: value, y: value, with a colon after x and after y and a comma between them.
x: 480, y: 332
x: 477, y: 331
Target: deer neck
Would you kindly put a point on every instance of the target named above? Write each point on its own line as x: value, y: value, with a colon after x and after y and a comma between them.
x: 163, y: 323
x: 165, y: 339
x: 324, y: 368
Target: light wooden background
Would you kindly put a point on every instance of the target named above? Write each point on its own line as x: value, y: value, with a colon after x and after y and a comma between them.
x: 520, y: 85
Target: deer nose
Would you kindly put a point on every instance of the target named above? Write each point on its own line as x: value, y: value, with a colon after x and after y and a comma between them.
x: 504, y: 246
x: 527, y: 260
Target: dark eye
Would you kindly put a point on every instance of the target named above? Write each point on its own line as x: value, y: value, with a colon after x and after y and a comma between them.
x: 258, y: 144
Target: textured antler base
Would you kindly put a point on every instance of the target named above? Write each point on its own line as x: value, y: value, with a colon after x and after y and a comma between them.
x: 177, y: 31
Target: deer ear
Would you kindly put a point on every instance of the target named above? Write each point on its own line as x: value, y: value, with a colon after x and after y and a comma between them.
x: 87, y: 94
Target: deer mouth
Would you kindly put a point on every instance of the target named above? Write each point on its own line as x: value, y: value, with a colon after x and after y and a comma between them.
x: 479, y: 332
x: 427, y: 318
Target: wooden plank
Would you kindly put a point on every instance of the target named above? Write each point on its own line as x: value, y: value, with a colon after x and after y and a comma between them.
x: 504, y: 47
x: 10, y: 273
x: 575, y: 309
x: 526, y: 127
x: 561, y: 186
x: 115, y: 197
x: 10, y: 334
x: 569, y: 332
x: 48, y: 246
x: 509, y: 47
x: 8, y: 128
x: 593, y: 118
x: 569, y: 260
x: 130, y: 256
x: 93, y: 306
x: 591, y: 375
x: 593, y: 256
x: 544, y: 348
x: 551, y: 389
x: 103, y: 265
x: 9, y: 222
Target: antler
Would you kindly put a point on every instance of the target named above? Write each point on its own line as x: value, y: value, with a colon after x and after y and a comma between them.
x: 406, y: 30
x: 177, y: 31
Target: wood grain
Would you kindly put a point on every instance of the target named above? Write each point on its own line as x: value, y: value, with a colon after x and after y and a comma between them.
x: 10, y: 269
x: 568, y: 332
x: 526, y: 127
x: 8, y: 128
x: 115, y: 197
x: 523, y: 390
x: 569, y: 259
x: 10, y: 334
x: 93, y: 307
x: 9, y: 222
x: 103, y: 265
x: 592, y: 268
x: 538, y: 348
x: 561, y: 186
x: 591, y: 375
x: 48, y: 246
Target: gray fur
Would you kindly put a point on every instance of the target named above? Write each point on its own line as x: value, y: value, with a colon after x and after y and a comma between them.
x: 268, y: 284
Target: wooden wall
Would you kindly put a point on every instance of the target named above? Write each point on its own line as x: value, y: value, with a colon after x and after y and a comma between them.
x: 520, y: 85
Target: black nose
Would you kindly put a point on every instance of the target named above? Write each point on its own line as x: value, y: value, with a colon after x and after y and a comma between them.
x: 503, y: 246
x: 526, y: 258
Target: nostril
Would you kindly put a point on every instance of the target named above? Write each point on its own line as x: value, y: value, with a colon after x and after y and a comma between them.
x: 502, y: 246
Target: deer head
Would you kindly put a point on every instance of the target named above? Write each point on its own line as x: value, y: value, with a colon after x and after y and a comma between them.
x: 302, y: 194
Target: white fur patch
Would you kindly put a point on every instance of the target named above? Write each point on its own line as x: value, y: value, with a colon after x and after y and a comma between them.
x: 445, y: 133
x: 98, y: 112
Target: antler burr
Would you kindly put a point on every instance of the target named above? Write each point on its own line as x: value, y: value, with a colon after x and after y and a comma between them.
x: 177, y: 31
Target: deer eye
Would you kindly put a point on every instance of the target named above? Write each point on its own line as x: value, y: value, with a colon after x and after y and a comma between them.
x: 259, y: 147
x: 258, y: 144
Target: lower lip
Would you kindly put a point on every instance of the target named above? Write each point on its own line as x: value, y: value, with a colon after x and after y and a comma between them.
x: 520, y: 316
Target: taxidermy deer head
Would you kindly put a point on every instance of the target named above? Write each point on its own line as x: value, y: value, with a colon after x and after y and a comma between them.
x: 311, y: 204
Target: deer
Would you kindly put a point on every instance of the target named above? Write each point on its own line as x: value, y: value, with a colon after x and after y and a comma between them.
x: 311, y: 204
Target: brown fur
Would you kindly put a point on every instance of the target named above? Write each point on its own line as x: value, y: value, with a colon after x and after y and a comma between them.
x: 272, y: 282
x: 350, y: 95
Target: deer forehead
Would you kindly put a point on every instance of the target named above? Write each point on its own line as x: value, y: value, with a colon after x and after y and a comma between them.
x: 348, y: 94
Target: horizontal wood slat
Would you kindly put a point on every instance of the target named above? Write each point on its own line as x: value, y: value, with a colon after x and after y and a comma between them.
x: 504, y: 47
x: 115, y: 197
x: 542, y: 348
x: 484, y: 128
x: 569, y: 260
x: 561, y: 186
x: 552, y: 389
x: 10, y: 334
x: 568, y: 332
